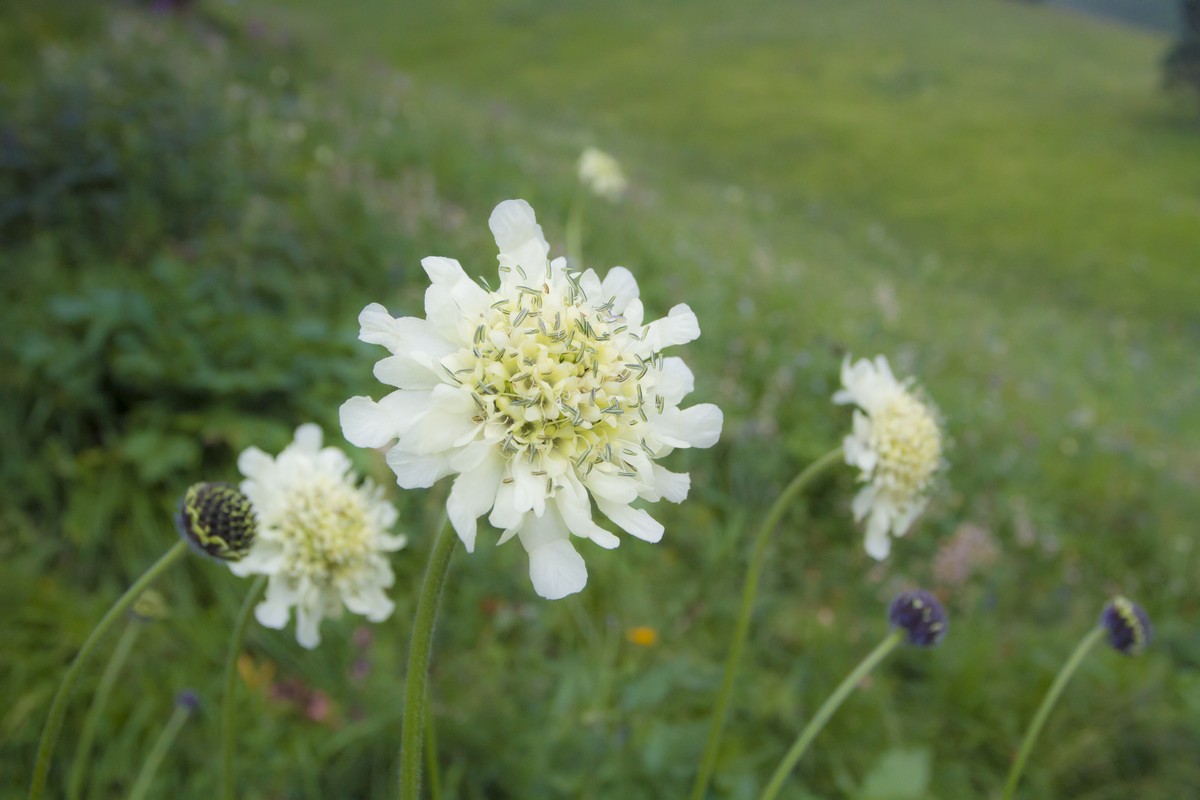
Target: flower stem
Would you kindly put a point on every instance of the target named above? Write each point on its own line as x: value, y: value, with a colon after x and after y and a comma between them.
x: 431, y: 757
x: 1043, y: 712
x: 827, y: 710
x: 749, y: 592
x: 58, y: 707
x: 235, y: 649
x: 91, y: 722
x: 165, y: 739
x: 418, y: 662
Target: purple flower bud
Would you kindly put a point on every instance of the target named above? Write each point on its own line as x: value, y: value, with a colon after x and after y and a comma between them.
x: 921, y: 615
x: 1128, y: 626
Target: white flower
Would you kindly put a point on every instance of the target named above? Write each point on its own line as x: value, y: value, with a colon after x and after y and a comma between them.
x: 321, y: 539
x: 541, y: 396
x: 601, y: 173
x: 896, y: 442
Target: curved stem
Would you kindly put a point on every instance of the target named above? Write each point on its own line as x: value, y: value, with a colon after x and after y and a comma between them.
x: 58, y: 707
x: 165, y: 739
x: 1043, y: 712
x: 749, y: 592
x: 827, y: 710
x: 235, y: 649
x: 418, y: 662
x: 431, y: 757
x: 92, y: 721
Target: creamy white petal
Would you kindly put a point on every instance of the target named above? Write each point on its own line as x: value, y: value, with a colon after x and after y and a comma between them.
x: 405, y: 372
x: 878, y: 543
x: 672, y: 486
x: 676, y: 381
x: 555, y: 568
x: 575, y: 507
x: 612, y: 487
x: 680, y: 326
x: 620, y: 285
x: 307, y: 439
x: 473, y: 495
x: 416, y: 470
x: 520, y: 240
x: 698, y: 426
x: 634, y: 521
x: 308, y: 626
x: 254, y: 463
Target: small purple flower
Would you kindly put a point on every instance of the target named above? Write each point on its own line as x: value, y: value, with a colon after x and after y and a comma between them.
x: 1128, y: 626
x: 921, y: 615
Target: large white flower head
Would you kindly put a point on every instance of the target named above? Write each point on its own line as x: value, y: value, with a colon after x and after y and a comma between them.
x: 896, y: 442
x: 321, y: 538
x: 541, y: 395
x: 601, y: 173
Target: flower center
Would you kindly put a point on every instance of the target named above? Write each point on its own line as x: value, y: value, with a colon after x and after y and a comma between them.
x: 325, y: 529
x: 552, y: 375
x: 908, y: 440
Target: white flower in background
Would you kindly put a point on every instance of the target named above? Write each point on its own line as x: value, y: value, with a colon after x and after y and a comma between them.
x: 321, y: 539
x: 542, y: 395
x: 896, y: 442
x: 601, y: 173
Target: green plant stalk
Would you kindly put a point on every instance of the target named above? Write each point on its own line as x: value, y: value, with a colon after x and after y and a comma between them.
x: 419, y: 650
x: 827, y: 710
x: 235, y: 649
x: 161, y: 745
x: 431, y: 757
x: 58, y: 707
x: 708, y: 761
x: 1043, y: 712
x: 91, y: 723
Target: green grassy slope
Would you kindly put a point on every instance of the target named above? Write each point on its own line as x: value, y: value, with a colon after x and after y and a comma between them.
x: 1028, y: 142
x: 776, y: 189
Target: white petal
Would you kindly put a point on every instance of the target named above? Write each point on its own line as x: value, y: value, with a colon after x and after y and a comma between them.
x: 444, y: 271
x: 612, y: 487
x: 365, y: 423
x: 473, y: 495
x: 555, y: 568
x: 377, y: 326
x: 634, y: 521
x: 505, y: 514
x: 680, y: 326
x: 520, y: 240
x: 575, y: 507
x: 272, y: 612
x: 672, y: 486
x: 862, y: 502
x: 417, y: 471
x: 676, y: 381
x: 698, y: 426
x: 254, y: 463
x: 308, y: 438
x: 405, y: 372
x: 529, y: 490
x: 308, y: 626
x: 370, y: 602
x: 878, y: 543
x: 619, y: 283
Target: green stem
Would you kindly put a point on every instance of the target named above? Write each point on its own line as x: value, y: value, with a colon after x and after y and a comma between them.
x: 91, y: 722
x: 418, y: 662
x: 58, y: 707
x: 1039, y: 719
x: 827, y: 710
x: 165, y: 739
x: 431, y: 757
x: 235, y: 649
x: 749, y: 591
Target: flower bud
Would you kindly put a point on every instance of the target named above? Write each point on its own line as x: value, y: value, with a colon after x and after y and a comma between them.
x: 1128, y: 626
x: 921, y: 615
x: 217, y: 519
x: 188, y: 699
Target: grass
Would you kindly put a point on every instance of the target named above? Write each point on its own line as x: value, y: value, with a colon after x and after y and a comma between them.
x: 995, y: 196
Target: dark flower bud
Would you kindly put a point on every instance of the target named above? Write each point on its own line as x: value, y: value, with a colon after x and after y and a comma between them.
x: 921, y: 615
x: 217, y: 519
x: 188, y: 699
x: 1128, y: 626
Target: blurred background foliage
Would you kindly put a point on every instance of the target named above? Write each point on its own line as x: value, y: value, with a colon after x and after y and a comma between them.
x: 197, y: 199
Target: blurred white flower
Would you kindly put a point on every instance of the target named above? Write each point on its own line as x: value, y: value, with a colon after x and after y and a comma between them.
x: 601, y: 173
x: 896, y: 442
x: 542, y: 395
x: 321, y: 539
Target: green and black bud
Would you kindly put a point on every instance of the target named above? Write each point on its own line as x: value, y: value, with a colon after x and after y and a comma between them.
x: 919, y: 614
x: 218, y: 520
x: 1128, y: 626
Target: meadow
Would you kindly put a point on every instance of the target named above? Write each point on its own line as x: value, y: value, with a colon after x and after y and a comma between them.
x: 999, y: 197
